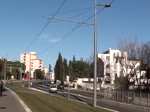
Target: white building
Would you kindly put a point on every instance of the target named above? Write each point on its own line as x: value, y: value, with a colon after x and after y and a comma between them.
x: 32, y: 63
x: 52, y: 76
x: 46, y: 71
x: 116, y: 63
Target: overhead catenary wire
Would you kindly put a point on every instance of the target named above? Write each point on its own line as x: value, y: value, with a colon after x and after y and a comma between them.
x: 80, y: 14
x: 75, y: 16
x: 67, y: 34
x: 74, y: 29
x: 98, y: 12
x: 66, y: 12
x: 45, y: 26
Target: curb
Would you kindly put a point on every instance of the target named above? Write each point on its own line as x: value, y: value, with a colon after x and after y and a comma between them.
x: 27, y: 109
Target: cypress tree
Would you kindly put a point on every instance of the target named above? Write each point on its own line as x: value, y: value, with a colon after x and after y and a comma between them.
x: 59, y: 68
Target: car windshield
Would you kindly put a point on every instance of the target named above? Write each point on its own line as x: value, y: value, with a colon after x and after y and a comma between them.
x: 53, y: 86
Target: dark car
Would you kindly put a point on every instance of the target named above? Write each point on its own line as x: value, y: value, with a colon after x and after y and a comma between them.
x: 60, y: 86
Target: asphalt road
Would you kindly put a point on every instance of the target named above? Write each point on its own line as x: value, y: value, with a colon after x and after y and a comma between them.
x: 87, y: 97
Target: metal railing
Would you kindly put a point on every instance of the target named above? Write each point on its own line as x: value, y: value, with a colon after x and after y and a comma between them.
x: 132, y: 97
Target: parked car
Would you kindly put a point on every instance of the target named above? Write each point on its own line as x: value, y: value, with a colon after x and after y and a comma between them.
x: 53, y: 88
x: 60, y: 86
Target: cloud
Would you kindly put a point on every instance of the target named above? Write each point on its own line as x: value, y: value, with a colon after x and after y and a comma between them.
x: 49, y: 38
x: 45, y: 36
x: 53, y: 40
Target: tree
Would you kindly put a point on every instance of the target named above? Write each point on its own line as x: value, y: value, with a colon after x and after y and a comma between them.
x: 100, y: 68
x: 39, y: 74
x: 145, y: 53
x: 59, y: 68
x: 74, y: 59
x: 148, y: 72
x: 80, y: 69
x: 15, y: 71
x: 75, y: 70
x: 121, y: 82
x: 11, y: 68
x: 131, y: 47
x: 50, y: 68
x: 129, y: 60
x: 65, y: 68
x: 70, y: 71
x: 16, y: 68
x: 1, y: 68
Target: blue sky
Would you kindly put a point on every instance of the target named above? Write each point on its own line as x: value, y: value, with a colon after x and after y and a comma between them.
x: 22, y: 20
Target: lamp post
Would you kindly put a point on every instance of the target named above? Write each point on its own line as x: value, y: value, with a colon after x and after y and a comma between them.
x: 95, y: 51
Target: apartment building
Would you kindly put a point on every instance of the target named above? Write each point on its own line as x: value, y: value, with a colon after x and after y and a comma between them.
x: 32, y: 63
x: 116, y: 63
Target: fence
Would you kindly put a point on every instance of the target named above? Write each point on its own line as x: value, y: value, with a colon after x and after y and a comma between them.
x: 132, y: 97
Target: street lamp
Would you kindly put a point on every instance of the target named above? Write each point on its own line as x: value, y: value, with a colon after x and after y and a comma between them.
x: 95, y: 50
x: 106, y: 5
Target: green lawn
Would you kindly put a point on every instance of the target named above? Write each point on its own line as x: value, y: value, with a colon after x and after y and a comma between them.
x: 40, y: 102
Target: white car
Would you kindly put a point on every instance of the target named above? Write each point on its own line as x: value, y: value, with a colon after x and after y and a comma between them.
x: 53, y: 88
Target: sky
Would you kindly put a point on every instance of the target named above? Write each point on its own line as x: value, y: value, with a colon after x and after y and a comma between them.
x: 24, y: 29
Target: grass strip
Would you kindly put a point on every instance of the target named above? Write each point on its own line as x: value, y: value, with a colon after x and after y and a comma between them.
x: 40, y: 102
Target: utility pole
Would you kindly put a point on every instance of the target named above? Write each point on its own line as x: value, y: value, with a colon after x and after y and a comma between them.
x: 29, y: 70
x: 69, y: 87
x: 95, y: 50
x: 5, y: 63
x: 21, y: 73
x: 95, y: 57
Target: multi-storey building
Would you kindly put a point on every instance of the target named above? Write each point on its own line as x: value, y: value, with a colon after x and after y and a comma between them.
x: 116, y: 63
x: 32, y: 63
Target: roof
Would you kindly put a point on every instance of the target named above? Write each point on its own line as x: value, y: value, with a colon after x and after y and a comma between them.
x: 106, y: 52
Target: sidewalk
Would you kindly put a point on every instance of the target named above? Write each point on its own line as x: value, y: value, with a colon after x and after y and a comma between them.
x: 10, y: 102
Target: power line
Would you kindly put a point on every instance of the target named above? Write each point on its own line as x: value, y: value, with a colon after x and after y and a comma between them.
x: 80, y: 14
x: 74, y: 29
x: 96, y: 13
x: 73, y: 11
x: 45, y: 26
x: 112, y: 1
x: 99, y: 11
x: 74, y: 15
